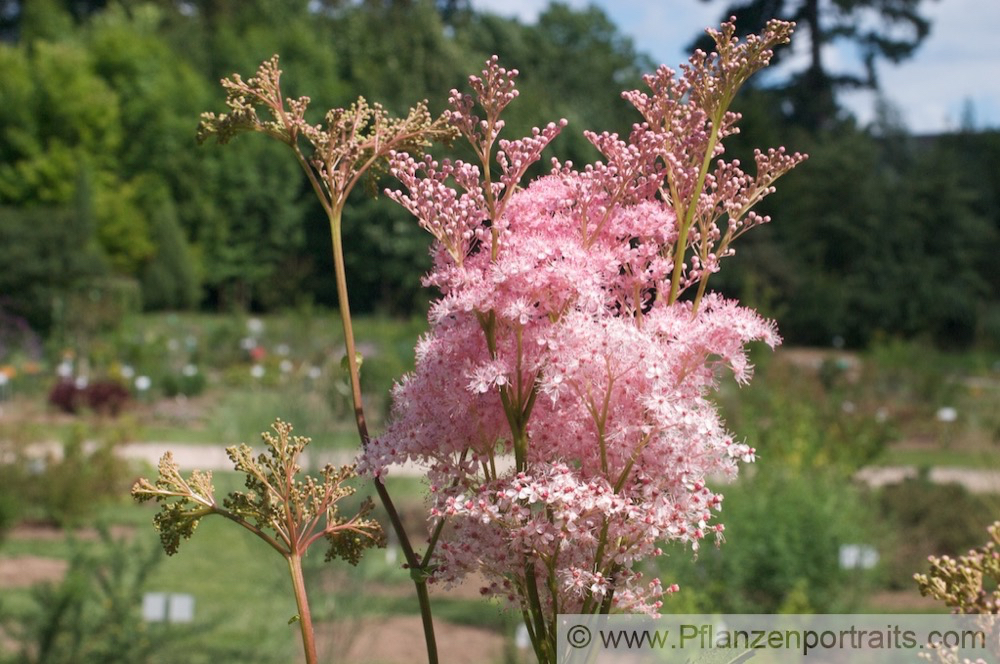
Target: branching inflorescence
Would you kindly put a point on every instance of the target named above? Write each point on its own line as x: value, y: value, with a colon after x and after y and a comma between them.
x: 967, y: 584
x: 561, y: 341
x: 287, y: 512
x: 290, y: 514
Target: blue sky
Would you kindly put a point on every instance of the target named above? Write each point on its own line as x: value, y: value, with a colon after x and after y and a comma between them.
x: 957, y: 65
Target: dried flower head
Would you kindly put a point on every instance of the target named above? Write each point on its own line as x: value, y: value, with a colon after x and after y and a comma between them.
x: 346, y: 146
x: 287, y: 512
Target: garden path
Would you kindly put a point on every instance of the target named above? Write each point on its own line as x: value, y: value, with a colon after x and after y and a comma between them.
x: 213, y: 457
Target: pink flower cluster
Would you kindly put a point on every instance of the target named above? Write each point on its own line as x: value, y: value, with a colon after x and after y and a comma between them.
x: 562, y: 395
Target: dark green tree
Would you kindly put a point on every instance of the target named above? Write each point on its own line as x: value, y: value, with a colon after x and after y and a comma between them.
x: 882, y: 235
x: 574, y: 64
x: 170, y: 279
x: 45, y: 253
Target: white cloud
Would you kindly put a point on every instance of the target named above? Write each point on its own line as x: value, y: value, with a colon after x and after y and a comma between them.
x: 526, y: 11
x: 959, y: 61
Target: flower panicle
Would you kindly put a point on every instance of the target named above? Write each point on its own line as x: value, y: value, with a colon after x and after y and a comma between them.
x: 463, y: 223
x: 183, y: 502
x: 351, y: 142
x: 287, y: 511
x: 560, y: 340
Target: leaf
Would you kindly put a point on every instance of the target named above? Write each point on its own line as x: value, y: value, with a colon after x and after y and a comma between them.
x: 358, y: 360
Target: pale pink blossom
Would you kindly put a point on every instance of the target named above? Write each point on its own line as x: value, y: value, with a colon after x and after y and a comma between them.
x: 563, y: 395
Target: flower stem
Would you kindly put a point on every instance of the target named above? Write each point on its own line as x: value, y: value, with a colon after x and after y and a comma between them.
x: 412, y: 561
x: 689, y: 209
x: 302, y: 603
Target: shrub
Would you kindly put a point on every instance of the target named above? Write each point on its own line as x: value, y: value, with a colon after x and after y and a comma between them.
x: 65, y: 396
x: 933, y: 519
x: 106, y: 397
x: 93, y: 614
x: 784, y: 530
x: 187, y: 383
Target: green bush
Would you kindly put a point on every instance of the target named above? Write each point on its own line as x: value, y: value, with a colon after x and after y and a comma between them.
x: 63, y: 489
x: 189, y: 382
x: 45, y: 253
x: 170, y: 278
x: 93, y: 615
x: 930, y: 519
x: 783, y: 536
x: 806, y: 421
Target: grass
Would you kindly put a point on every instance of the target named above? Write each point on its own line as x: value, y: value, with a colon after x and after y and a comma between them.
x: 240, y: 586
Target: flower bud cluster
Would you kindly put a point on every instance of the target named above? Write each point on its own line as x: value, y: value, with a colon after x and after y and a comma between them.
x: 967, y: 584
x: 350, y: 142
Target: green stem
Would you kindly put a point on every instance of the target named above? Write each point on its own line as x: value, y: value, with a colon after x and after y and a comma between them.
x: 701, y: 292
x: 427, y: 620
x: 601, y: 542
x: 343, y: 304
x: 689, y: 212
x: 535, y: 644
x: 412, y: 561
x: 535, y: 606
x: 302, y: 603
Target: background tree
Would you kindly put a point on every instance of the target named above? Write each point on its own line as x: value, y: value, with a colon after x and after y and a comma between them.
x: 880, y: 29
x: 111, y: 91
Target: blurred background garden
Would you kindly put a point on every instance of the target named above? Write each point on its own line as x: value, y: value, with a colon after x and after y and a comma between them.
x: 159, y: 295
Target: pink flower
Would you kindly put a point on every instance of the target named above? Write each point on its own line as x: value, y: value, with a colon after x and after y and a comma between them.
x: 562, y: 395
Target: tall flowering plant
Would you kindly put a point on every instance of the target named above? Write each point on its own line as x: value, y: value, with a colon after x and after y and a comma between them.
x: 561, y: 398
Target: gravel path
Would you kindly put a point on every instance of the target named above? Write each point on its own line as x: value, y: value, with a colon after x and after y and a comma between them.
x: 213, y: 457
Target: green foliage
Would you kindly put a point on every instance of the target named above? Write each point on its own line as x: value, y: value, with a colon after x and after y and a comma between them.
x: 45, y: 19
x: 84, y: 313
x: 930, y: 519
x: 93, y: 615
x: 68, y: 489
x: 45, y: 252
x: 387, y: 252
x: 9, y: 504
x: 74, y: 123
x: 252, y: 221
x: 122, y: 228
x: 398, y: 54
x: 784, y: 530
x: 807, y: 422
x: 170, y: 279
x: 109, y: 93
x: 857, y: 251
